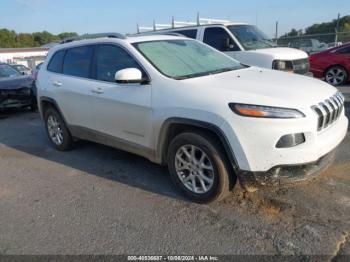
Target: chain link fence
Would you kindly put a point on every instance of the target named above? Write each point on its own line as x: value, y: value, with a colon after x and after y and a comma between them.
x: 314, y: 43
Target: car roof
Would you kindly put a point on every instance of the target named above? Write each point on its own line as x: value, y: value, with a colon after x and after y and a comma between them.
x: 129, y: 39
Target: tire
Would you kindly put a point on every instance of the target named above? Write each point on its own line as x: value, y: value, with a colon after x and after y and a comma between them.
x: 218, y: 181
x: 336, y: 75
x: 57, y: 130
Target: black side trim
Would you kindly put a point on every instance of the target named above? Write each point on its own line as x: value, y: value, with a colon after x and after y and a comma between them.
x: 51, y: 101
x: 108, y: 140
x: 164, y: 134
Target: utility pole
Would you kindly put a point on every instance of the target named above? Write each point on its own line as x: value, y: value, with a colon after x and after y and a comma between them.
x: 276, y: 34
x: 337, y: 30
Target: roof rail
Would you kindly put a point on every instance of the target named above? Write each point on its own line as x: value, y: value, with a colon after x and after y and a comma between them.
x: 92, y: 36
x: 179, y: 24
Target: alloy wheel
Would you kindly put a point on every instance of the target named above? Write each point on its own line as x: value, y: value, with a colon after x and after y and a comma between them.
x: 335, y: 76
x: 194, y: 169
x: 55, y: 130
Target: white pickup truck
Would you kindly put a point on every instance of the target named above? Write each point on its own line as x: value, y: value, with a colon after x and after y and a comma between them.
x: 244, y: 42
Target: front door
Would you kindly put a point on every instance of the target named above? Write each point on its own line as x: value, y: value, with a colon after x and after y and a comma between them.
x: 120, y: 110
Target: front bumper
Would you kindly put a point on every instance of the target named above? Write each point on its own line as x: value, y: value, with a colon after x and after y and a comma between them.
x: 253, y: 141
x: 285, y: 175
x: 16, y: 98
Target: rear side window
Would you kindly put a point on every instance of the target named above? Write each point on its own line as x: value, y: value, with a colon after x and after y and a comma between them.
x: 345, y: 50
x: 110, y: 59
x: 218, y: 38
x: 56, y: 62
x: 77, y: 61
x: 192, y: 33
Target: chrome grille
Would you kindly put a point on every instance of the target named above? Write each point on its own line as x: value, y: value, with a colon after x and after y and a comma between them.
x: 329, y: 110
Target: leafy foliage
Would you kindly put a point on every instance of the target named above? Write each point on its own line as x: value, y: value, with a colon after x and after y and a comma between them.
x: 11, y: 39
x: 323, y: 28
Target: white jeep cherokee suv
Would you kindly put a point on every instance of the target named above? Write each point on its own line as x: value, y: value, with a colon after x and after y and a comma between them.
x: 181, y: 103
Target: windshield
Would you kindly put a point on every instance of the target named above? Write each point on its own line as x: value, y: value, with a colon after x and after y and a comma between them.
x: 251, y: 37
x: 181, y: 59
x: 8, y: 71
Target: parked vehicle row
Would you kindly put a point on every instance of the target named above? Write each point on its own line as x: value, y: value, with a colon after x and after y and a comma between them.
x: 181, y: 103
x: 22, y: 69
x: 247, y: 44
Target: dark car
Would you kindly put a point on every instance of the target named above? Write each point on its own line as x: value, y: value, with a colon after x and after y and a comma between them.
x: 16, y: 90
x: 333, y: 65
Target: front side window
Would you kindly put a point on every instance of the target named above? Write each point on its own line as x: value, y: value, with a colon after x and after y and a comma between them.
x: 251, y: 37
x: 56, y: 62
x: 218, y: 38
x: 181, y: 59
x: 110, y: 59
x: 77, y: 61
x: 191, y: 33
x: 8, y: 71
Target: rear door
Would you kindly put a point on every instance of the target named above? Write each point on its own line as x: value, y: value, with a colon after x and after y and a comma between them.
x: 120, y: 110
x: 73, y: 87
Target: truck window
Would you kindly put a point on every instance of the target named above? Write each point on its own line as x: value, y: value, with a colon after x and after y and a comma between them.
x: 218, y: 38
x: 192, y: 33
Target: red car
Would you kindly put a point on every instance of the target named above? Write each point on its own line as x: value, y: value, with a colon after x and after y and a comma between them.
x: 332, y: 64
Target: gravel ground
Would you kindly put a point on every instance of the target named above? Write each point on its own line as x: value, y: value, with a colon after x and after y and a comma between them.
x: 98, y: 200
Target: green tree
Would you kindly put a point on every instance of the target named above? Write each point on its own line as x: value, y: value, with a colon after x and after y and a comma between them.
x: 7, y: 38
x: 65, y: 35
x: 42, y: 38
x: 25, y: 40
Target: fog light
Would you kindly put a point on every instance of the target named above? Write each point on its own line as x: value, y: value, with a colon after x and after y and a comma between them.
x: 290, y: 140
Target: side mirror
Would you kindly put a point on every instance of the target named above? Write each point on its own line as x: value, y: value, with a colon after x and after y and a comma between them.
x: 226, y: 44
x: 129, y: 76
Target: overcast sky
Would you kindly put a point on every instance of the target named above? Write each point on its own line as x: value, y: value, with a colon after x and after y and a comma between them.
x: 92, y: 16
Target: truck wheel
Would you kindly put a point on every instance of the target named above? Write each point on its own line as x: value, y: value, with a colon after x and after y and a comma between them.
x: 198, y: 166
x: 336, y: 75
x: 57, y: 130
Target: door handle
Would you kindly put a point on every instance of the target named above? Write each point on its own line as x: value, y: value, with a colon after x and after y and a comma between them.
x: 57, y: 83
x: 97, y: 90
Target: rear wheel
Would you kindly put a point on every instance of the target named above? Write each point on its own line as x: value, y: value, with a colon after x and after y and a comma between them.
x: 199, y: 168
x: 57, y: 130
x: 336, y: 75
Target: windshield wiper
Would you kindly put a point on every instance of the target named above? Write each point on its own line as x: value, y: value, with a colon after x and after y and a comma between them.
x: 222, y: 70
x: 206, y: 73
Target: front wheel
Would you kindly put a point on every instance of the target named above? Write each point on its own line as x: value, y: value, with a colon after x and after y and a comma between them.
x: 336, y: 75
x: 198, y: 166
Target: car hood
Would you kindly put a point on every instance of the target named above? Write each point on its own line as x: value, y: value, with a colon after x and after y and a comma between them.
x: 282, y: 53
x: 16, y: 82
x: 264, y: 87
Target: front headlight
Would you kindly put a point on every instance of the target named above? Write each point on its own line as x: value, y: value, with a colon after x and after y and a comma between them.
x: 265, y: 111
x: 283, y: 65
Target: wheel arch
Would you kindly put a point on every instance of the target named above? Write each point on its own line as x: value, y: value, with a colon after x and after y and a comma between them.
x: 45, y: 102
x: 174, y: 126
